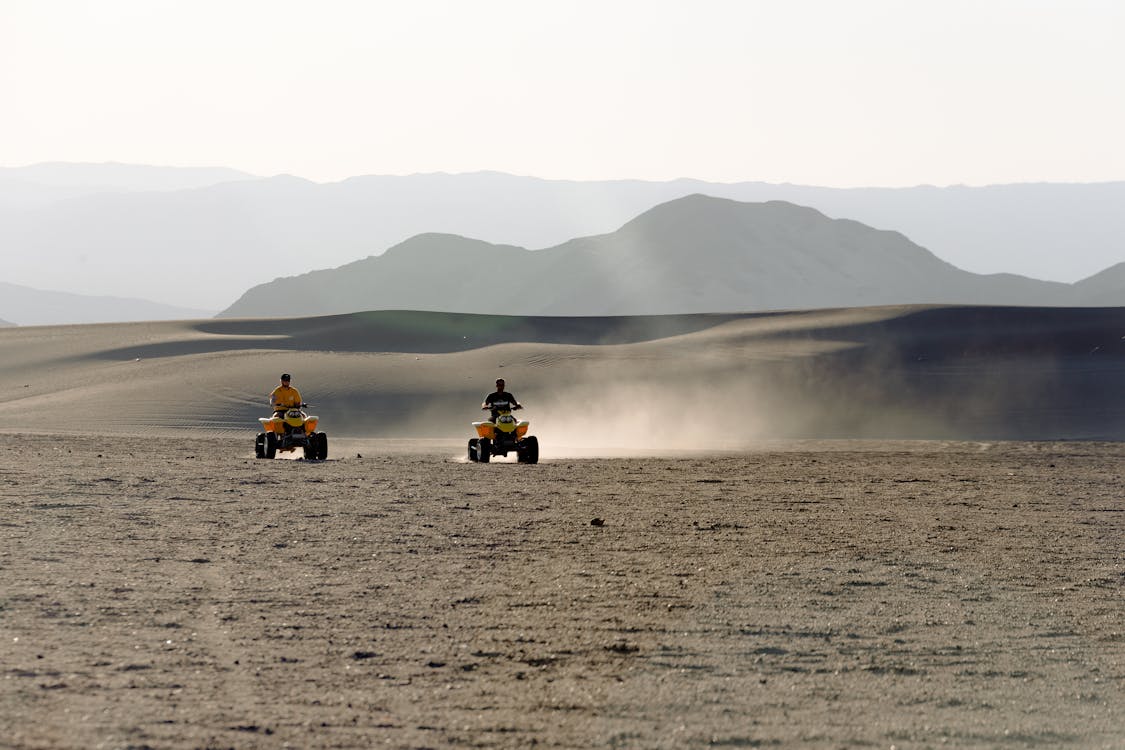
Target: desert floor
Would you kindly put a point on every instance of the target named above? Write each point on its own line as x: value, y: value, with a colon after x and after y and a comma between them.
x: 167, y: 592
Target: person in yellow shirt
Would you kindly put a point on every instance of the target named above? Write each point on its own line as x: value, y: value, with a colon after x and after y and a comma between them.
x: 284, y: 396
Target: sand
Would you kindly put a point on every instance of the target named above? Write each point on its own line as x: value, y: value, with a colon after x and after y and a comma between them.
x: 737, y: 569
x: 677, y: 382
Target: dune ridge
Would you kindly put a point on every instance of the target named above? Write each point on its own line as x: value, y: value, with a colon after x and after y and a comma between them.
x: 687, y: 380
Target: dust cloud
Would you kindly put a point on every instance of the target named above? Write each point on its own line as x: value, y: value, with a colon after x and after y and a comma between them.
x: 647, y: 419
x: 758, y: 404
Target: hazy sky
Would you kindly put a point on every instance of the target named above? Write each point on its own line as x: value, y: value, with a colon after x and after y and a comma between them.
x: 827, y: 92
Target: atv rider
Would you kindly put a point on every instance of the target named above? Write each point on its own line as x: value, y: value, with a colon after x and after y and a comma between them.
x: 284, y: 397
x: 499, y: 395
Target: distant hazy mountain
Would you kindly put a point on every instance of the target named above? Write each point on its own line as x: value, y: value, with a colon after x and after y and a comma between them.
x: 30, y: 307
x: 693, y: 254
x: 204, y: 247
x: 123, y: 176
x: 40, y: 185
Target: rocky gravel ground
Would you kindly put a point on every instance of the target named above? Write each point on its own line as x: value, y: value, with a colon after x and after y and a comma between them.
x: 157, y: 593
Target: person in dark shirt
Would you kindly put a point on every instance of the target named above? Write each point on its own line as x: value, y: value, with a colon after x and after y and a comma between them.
x: 499, y: 395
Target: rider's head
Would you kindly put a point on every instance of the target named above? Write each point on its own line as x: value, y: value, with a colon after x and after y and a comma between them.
x: 499, y: 384
x: 285, y: 378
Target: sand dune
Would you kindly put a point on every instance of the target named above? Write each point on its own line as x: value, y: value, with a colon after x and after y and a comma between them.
x: 674, y: 382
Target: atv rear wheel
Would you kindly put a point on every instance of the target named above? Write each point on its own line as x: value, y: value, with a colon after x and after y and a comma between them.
x: 473, y: 449
x: 260, y: 445
x: 527, y: 452
x: 484, y: 450
x: 271, y: 445
x: 311, y: 448
x: 322, y: 446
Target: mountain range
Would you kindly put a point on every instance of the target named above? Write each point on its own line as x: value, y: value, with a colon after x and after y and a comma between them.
x: 36, y: 307
x: 690, y: 255
x: 198, y: 239
x: 37, y: 185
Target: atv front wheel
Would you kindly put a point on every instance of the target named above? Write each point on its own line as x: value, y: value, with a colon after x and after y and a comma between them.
x: 484, y: 450
x: 271, y: 445
x: 260, y: 445
x: 322, y: 446
x: 473, y: 449
x: 527, y: 452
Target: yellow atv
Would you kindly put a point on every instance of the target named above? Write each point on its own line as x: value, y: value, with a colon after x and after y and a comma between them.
x: 505, y: 433
x: 289, y: 431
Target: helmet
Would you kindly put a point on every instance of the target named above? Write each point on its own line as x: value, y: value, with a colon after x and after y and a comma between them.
x: 285, y: 376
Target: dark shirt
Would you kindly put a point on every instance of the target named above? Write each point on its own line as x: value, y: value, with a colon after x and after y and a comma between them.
x: 495, y: 396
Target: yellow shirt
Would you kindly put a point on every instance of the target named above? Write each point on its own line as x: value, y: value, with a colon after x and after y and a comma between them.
x: 284, y: 397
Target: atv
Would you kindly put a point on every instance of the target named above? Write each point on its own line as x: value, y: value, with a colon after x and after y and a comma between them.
x: 499, y: 436
x: 289, y: 431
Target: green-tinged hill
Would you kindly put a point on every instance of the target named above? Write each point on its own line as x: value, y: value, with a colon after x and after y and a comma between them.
x: 690, y: 255
x: 1105, y: 289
